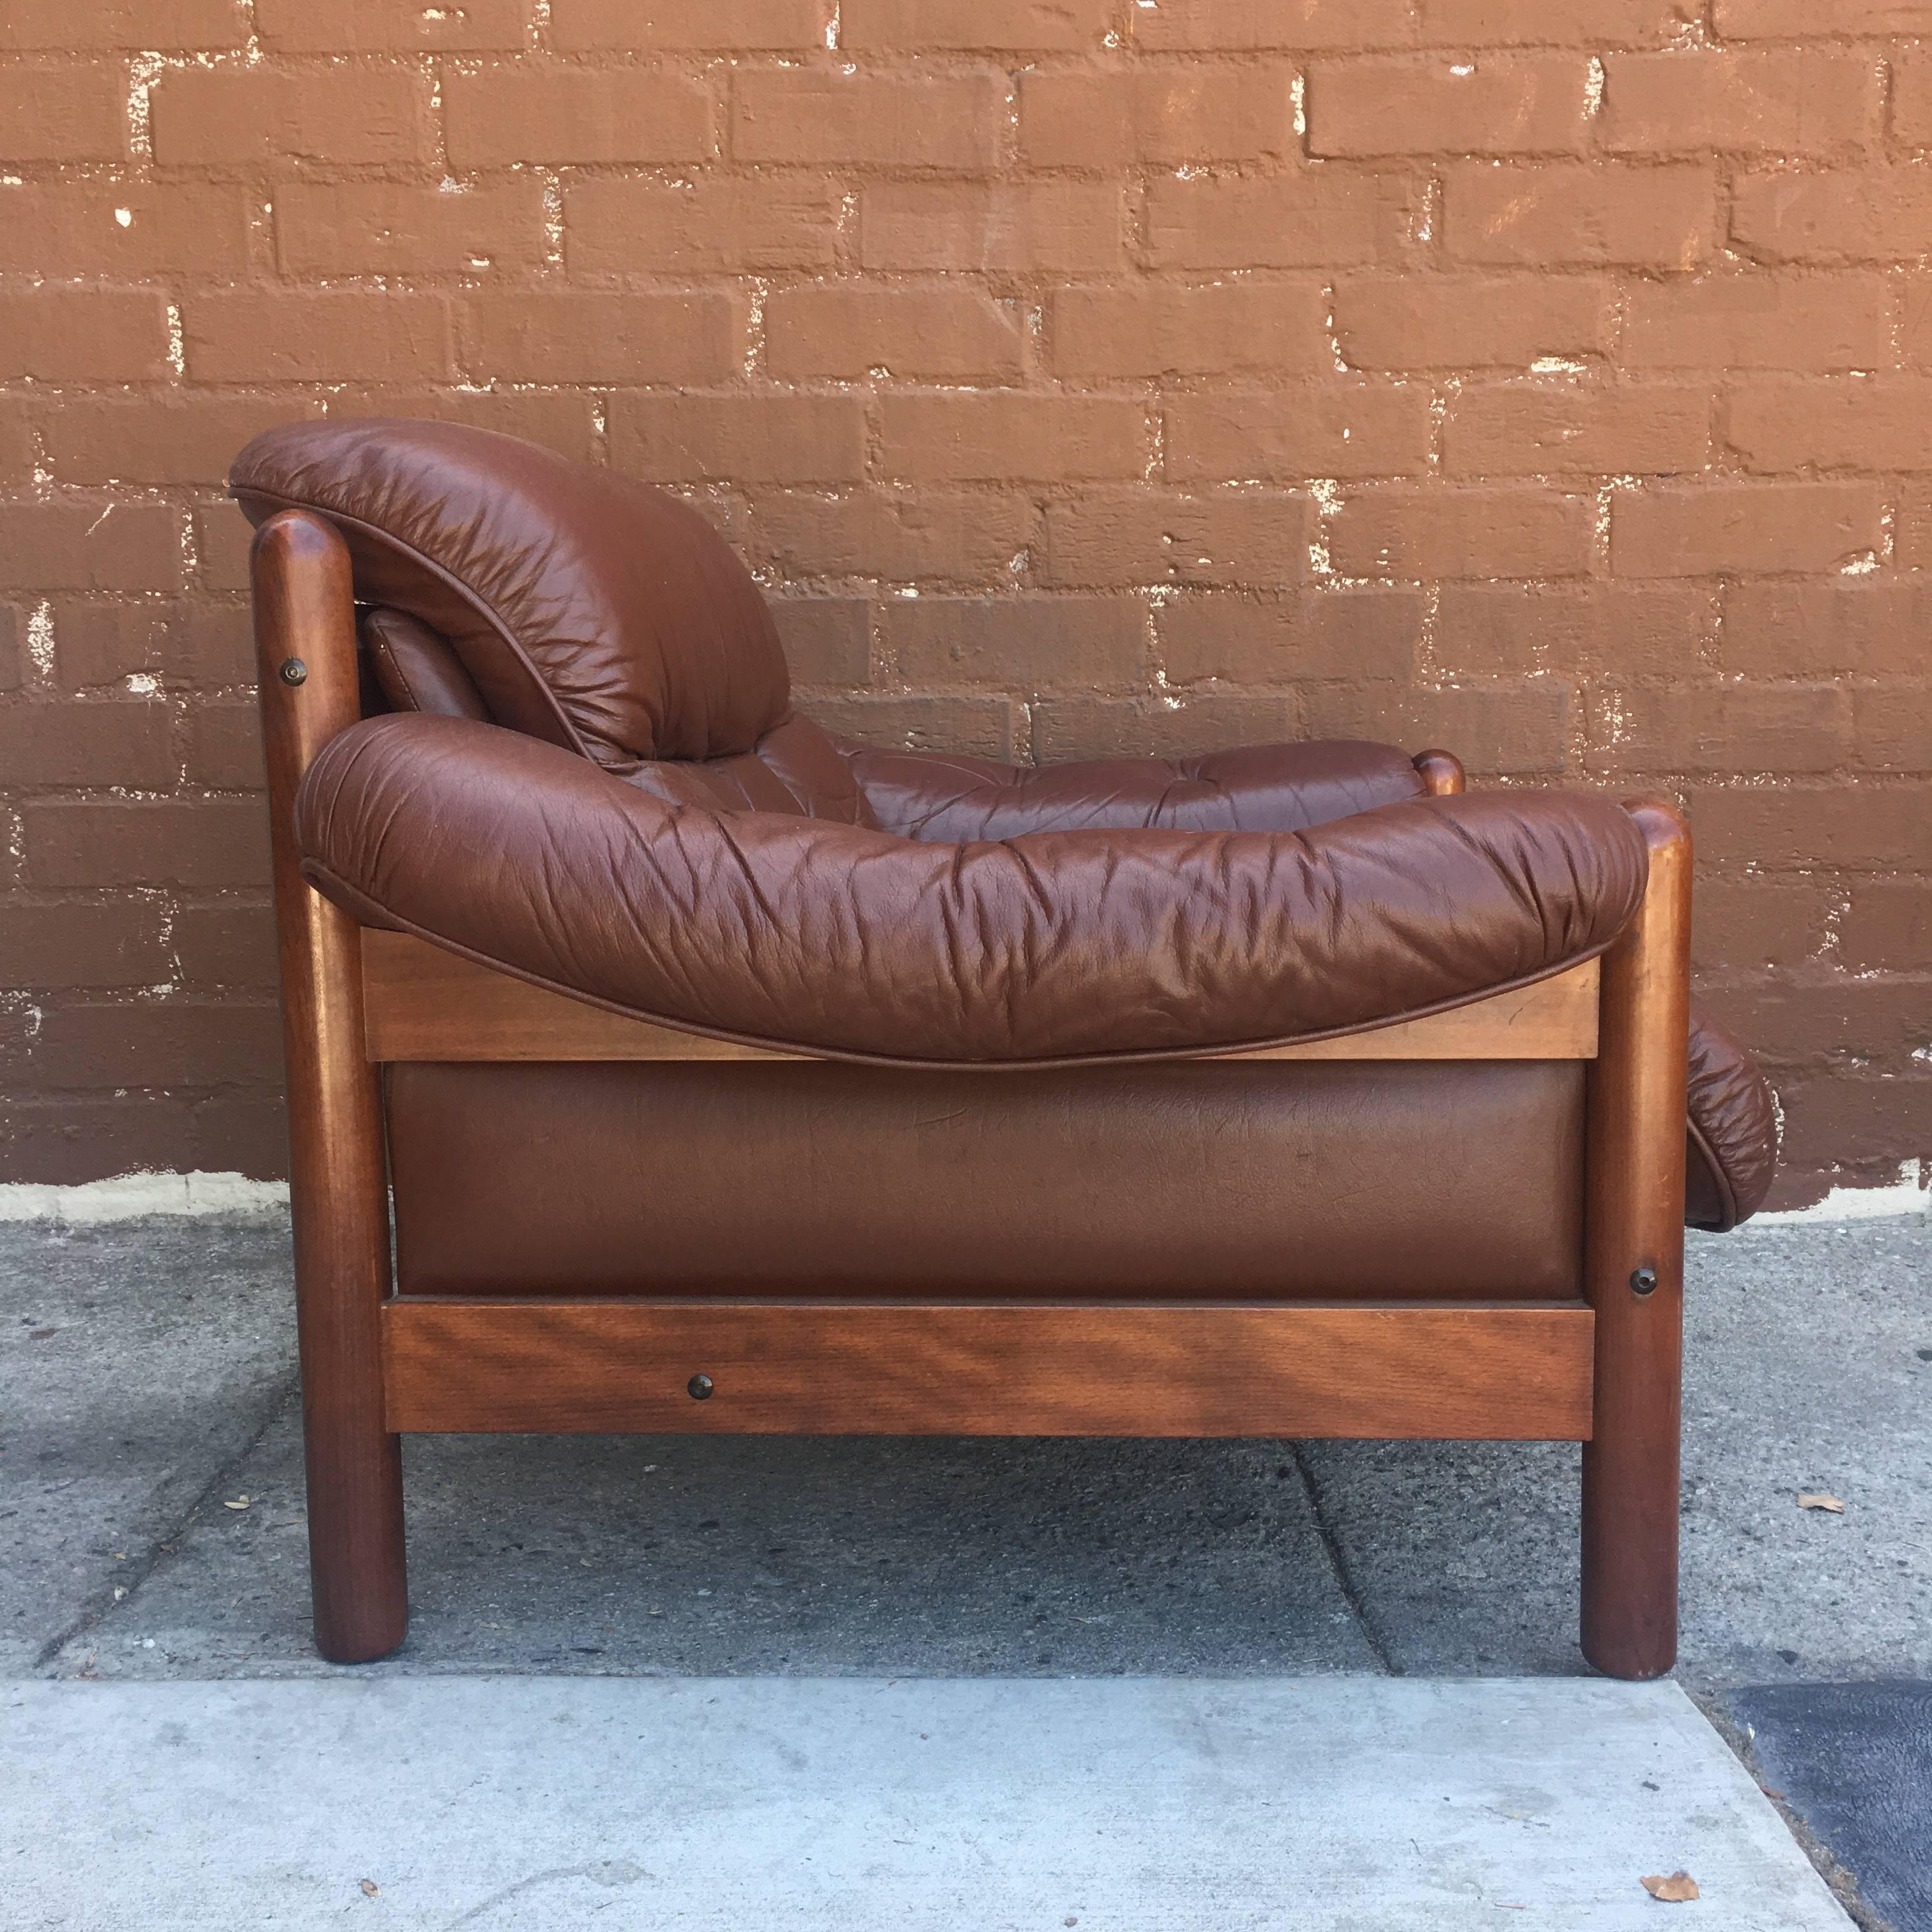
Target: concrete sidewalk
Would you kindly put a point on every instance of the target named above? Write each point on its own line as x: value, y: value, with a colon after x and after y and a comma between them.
x: 1324, y: 1804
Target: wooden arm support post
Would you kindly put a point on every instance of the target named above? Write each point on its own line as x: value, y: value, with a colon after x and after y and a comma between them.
x: 1633, y: 1268
x: 306, y: 666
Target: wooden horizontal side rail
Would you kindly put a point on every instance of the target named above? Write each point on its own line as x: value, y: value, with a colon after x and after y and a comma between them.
x: 1516, y: 1372
x: 421, y: 1003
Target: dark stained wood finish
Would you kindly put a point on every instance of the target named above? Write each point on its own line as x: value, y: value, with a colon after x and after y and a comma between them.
x: 1512, y: 1371
x: 338, y: 1181
x: 421, y: 1003
x: 1634, y: 1219
x: 1441, y: 772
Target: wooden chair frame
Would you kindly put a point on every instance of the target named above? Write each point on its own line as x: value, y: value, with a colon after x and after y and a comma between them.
x: 1603, y: 1370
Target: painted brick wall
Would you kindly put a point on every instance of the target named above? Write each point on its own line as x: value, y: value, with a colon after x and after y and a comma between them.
x: 1550, y: 378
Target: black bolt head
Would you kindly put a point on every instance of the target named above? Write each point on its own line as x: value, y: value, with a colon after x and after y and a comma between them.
x: 294, y: 671
x: 700, y: 1386
x: 1644, y: 1281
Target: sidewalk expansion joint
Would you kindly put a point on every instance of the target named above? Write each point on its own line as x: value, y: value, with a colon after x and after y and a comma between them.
x: 129, y: 1580
x: 1338, y: 1562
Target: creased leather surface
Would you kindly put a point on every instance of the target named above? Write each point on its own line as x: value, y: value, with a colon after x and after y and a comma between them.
x: 1733, y: 1133
x: 931, y: 795
x: 1058, y: 946
x: 415, y: 669
x: 591, y: 610
x: 1190, y: 1179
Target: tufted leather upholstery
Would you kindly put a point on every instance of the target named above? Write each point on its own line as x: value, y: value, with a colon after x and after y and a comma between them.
x: 658, y: 831
x: 795, y: 766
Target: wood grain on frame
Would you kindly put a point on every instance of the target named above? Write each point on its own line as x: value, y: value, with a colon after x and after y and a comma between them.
x: 1514, y: 1371
x: 421, y: 1003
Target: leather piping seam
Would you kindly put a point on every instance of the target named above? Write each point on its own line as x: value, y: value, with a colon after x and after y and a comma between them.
x: 448, y: 578
x: 355, y: 900
x: 1727, y: 1195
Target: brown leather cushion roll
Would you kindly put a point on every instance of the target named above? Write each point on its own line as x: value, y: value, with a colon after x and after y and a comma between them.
x: 935, y: 797
x: 591, y: 611
x: 1196, y: 1179
x: 1053, y: 946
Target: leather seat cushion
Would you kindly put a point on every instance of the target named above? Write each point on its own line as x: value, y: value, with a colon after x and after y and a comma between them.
x: 795, y: 768
x: 938, y: 799
x: 936, y: 796
x: 1234, y: 1179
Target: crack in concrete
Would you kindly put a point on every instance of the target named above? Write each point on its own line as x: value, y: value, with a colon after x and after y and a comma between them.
x: 610, y: 1872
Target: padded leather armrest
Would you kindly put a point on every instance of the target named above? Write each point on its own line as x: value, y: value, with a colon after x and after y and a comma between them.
x: 1054, y: 947
x: 935, y: 795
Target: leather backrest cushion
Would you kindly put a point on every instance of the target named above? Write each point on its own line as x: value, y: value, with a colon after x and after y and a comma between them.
x: 417, y: 670
x: 589, y: 610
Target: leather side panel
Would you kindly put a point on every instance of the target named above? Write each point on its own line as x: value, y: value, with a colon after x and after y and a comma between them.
x: 1188, y: 1179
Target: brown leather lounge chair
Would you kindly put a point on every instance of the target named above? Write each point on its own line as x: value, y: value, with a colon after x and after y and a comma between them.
x: 725, y: 1076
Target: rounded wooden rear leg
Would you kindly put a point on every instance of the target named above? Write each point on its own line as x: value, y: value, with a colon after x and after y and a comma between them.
x: 305, y: 651
x: 1634, y: 1270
